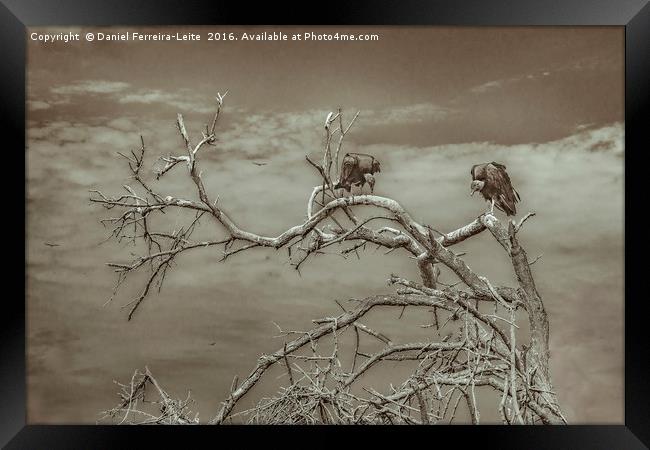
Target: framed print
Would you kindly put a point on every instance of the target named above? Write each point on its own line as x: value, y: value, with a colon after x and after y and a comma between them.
x: 384, y: 215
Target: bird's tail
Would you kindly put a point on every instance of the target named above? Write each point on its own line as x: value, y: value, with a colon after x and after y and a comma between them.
x: 506, y: 206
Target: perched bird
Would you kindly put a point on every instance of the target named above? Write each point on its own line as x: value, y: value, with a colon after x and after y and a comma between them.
x: 358, y: 169
x: 493, y: 182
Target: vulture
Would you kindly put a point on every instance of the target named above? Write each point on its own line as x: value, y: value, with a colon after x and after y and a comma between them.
x: 357, y: 169
x: 493, y: 182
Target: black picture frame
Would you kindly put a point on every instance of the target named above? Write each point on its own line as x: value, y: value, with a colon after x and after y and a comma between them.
x: 634, y: 15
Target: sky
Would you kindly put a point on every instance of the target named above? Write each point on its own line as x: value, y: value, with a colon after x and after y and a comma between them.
x: 547, y: 102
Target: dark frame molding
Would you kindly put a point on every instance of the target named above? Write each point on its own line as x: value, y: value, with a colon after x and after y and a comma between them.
x: 634, y: 15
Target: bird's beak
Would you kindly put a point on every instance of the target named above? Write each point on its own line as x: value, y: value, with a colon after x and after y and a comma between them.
x: 471, y: 193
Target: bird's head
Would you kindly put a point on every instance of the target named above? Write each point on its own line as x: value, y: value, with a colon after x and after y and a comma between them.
x: 476, y: 185
x: 376, y: 167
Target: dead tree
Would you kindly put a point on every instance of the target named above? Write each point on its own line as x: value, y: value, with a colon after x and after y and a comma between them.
x: 478, y: 320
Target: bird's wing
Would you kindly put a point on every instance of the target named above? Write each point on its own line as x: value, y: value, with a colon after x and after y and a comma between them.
x: 500, y: 181
x: 347, y: 166
x: 478, y: 171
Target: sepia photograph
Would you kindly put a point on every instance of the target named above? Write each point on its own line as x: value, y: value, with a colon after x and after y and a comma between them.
x: 290, y: 225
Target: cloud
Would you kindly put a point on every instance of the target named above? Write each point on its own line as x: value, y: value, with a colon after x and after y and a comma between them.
x: 590, y: 63
x: 41, y: 105
x: 489, y: 86
x: 498, y: 84
x: 123, y: 124
x: 37, y: 105
x: 609, y: 138
x: 416, y: 113
x: 90, y: 87
x: 264, y: 134
x: 118, y: 92
x: 179, y: 101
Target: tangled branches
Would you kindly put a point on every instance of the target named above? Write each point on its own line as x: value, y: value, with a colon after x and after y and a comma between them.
x: 478, y: 320
x: 135, y: 409
x: 475, y: 353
